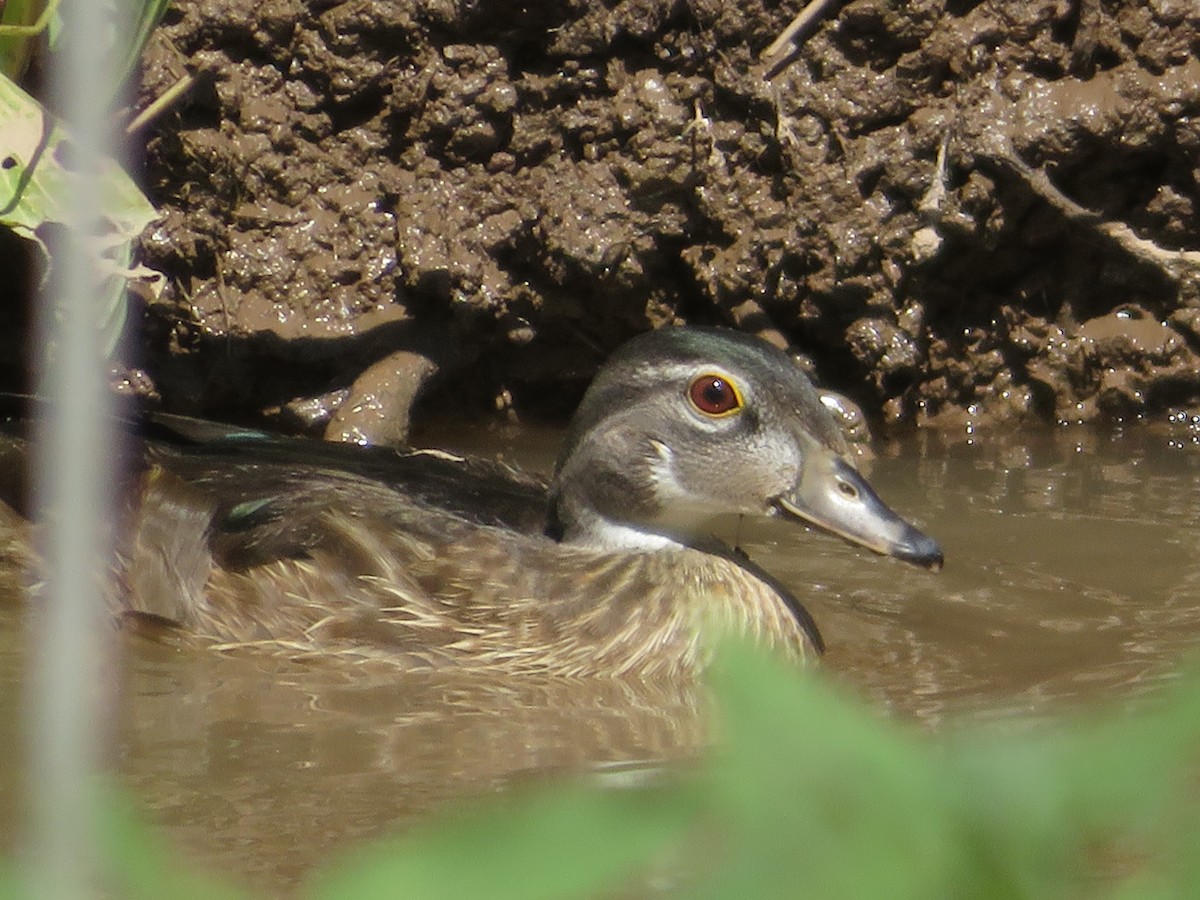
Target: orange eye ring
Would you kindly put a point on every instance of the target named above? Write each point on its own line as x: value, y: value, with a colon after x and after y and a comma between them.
x: 714, y: 395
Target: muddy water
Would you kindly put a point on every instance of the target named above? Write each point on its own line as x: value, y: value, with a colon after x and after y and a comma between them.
x: 1073, y: 572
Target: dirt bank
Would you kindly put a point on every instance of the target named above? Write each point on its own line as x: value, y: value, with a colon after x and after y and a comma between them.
x: 957, y: 212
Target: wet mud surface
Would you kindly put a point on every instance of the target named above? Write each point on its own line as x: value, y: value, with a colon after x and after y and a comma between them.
x: 957, y: 213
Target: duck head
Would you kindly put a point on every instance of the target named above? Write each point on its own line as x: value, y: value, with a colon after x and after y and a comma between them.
x: 683, y: 425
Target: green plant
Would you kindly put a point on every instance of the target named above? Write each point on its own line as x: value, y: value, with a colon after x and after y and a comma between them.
x: 810, y: 793
x: 35, y: 157
x: 807, y: 792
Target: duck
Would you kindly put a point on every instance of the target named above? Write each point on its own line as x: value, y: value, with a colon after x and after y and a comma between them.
x: 429, y: 561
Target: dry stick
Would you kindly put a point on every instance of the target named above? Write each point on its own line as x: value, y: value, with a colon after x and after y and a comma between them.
x: 160, y: 104
x: 804, y: 18
x: 1177, y: 265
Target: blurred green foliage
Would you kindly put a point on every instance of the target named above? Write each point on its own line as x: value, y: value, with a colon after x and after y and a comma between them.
x: 26, y: 23
x: 806, y: 793
x: 22, y: 24
x: 35, y: 190
x: 35, y: 162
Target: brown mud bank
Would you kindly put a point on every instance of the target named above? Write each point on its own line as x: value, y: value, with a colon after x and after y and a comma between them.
x: 954, y: 211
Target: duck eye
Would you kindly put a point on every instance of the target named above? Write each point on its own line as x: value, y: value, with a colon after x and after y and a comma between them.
x: 714, y: 395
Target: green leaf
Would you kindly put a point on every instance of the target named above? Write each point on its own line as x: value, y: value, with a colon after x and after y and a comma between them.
x: 138, y: 862
x: 19, y: 30
x: 24, y: 22
x: 148, y: 14
x: 35, y: 184
x: 12, y: 886
x: 1040, y: 805
x: 567, y: 841
x: 818, y: 794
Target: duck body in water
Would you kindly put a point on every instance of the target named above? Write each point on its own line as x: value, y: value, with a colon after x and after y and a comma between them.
x: 433, y: 562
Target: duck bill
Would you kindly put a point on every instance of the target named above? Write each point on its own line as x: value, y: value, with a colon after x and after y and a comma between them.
x: 834, y: 497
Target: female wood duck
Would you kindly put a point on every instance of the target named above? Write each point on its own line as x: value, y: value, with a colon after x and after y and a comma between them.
x: 434, y: 562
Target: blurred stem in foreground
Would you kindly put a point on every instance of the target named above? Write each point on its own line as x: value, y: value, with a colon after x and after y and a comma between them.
x: 72, y: 476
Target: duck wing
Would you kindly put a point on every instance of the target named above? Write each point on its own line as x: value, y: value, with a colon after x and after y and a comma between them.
x: 231, y: 460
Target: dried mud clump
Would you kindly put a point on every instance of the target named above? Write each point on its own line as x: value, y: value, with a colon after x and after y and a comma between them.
x: 960, y: 212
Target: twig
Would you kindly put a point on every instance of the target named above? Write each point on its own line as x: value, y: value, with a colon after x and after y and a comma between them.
x: 160, y: 104
x: 1177, y: 265
x: 926, y: 241
x: 779, y: 48
x: 933, y: 199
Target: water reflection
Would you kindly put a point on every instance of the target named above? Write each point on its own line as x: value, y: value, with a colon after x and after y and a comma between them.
x: 1073, y: 572
x: 1070, y: 561
x: 268, y: 766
